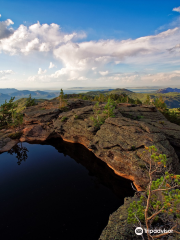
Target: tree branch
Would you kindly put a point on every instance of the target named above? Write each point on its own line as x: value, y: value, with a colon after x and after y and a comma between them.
x: 155, y: 213
x: 160, y: 189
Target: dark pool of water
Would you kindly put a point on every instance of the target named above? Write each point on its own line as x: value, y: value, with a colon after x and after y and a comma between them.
x: 55, y: 191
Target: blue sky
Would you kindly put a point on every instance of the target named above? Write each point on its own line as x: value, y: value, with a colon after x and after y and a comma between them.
x: 53, y: 44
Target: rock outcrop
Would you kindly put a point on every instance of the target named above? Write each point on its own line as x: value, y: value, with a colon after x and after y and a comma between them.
x: 119, y: 142
x: 117, y: 227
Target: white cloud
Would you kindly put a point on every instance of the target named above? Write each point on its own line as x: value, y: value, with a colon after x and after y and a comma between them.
x: 5, y: 31
x: 37, y: 37
x: 79, y: 59
x: 40, y: 71
x: 141, y: 79
x: 84, y: 55
x: 59, y: 73
x: 5, y: 73
x: 116, y: 79
x: 51, y: 65
x: 103, y: 73
x: 176, y: 9
x: 82, y: 78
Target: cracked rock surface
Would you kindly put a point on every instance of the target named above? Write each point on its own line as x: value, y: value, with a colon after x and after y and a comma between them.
x: 119, y: 142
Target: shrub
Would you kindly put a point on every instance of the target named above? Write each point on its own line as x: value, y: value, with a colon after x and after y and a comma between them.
x: 159, y: 205
x: 109, y: 108
x: 64, y: 119
x: 97, y: 119
x: 16, y: 135
x: 172, y: 116
x: 133, y: 147
x: 140, y: 117
x: 30, y: 102
x: 7, y: 112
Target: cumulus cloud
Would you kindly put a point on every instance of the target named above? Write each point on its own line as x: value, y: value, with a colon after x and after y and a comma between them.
x: 5, y: 73
x: 176, y: 9
x: 116, y: 79
x: 51, y: 65
x: 82, y: 78
x: 103, y: 73
x: 80, y: 58
x: 37, y: 37
x: 5, y: 31
x: 140, y: 78
x: 40, y: 71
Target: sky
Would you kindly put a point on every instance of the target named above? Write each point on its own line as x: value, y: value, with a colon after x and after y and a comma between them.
x: 97, y: 43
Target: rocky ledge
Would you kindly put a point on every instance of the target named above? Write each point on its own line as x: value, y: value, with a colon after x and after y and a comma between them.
x: 119, y: 142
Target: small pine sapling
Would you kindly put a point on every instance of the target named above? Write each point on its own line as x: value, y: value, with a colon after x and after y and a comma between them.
x: 109, y: 108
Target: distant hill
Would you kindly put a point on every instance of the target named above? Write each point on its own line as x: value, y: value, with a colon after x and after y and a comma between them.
x: 90, y: 88
x: 167, y: 90
x: 120, y: 91
x: 6, y: 94
x: 7, y: 90
x: 109, y: 91
x: 171, y: 99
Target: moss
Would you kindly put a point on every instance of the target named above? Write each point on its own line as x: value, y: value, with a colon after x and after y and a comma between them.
x: 140, y: 117
x: 64, y: 119
x: 133, y: 147
x: 161, y: 122
x: 16, y: 135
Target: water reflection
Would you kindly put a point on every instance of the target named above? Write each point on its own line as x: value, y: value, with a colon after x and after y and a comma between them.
x: 96, y: 167
x: 20, y: 151
x: 67, y: 192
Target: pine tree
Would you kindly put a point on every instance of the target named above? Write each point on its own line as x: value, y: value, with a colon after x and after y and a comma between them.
x: 30, y: 102
x: 147, y: 100
x: 61, y: 97
x: 7, y: 112
x: 109, y: 108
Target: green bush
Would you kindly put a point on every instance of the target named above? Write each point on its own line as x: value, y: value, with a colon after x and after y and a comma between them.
x: 30, y: 102
x: 16, y: 135
x: 109, y: 108
x: 97, y: 119
x: 172, y: 116
x: 64, y: 119
x: 7, y: 112
x: 161, y: 199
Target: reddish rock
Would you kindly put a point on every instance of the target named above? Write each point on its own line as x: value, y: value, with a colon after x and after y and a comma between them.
x: 119, y: 142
